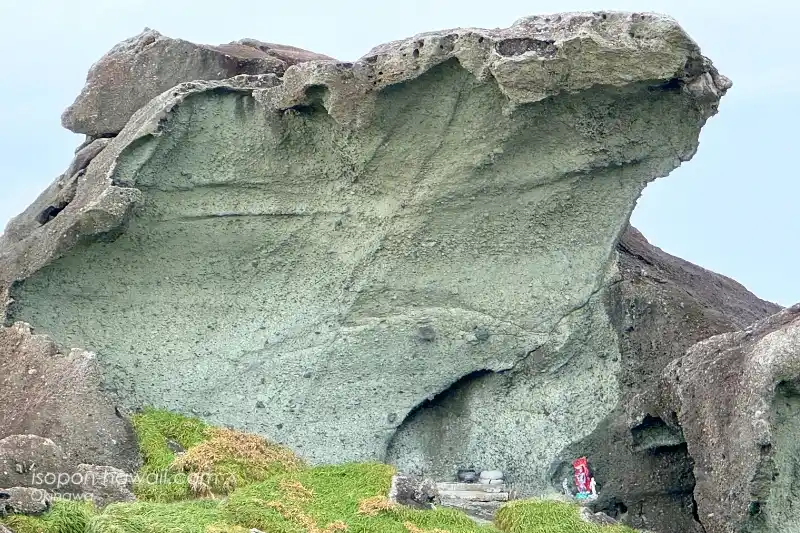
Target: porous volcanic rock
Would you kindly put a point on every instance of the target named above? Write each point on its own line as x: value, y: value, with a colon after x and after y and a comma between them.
x: 45, y: 470
x: 23, y: 500
x: 736, y: 397
x: 351, y: 244
x: 142, y: 67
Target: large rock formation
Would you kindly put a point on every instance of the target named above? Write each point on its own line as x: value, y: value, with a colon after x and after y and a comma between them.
x: 737, y: 398
x: 142, y: 67
x: 409, y: 258
x: 59, y: 395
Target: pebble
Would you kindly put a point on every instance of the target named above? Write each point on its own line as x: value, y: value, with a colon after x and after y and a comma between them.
x: 491, y: 474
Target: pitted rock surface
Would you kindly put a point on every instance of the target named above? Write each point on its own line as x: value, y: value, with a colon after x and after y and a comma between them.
x: 658, y: 307
x: 24, y: 500
x: 55, y: 198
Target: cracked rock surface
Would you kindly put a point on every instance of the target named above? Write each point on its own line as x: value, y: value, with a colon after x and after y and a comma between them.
x: 318, y: 252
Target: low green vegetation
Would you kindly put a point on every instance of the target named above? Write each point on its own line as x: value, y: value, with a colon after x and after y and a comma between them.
x: 229, y: 482
x: 547, y: 516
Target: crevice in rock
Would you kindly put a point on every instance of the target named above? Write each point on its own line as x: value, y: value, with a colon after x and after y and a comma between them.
x: 615, y: 508
x: 51, y: 212
x: 675, y: 84
x: 516, y: 47
x: 316, y: 97
x: 652, y: 433
x: 447, y: 393
x: 696, y: 513
x: 441, y: 401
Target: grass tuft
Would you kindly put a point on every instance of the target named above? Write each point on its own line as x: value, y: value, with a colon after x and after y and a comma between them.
x: 154, y: 429
x: 147, y: 517
x: 548, y: 516
x: 64, y: 517
x: 228, y: 459
x: 375, y: 505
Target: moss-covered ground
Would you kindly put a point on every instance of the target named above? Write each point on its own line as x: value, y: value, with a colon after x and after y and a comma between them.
x: 229, y: 482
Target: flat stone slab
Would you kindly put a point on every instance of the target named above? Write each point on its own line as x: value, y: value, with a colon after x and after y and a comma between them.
x: 470, y: 487
x: 474, y: 495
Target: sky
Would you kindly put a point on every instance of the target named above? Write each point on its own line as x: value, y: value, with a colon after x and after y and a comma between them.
x: 734, y: 208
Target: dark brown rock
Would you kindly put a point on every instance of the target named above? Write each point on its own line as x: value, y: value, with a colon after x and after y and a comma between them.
x: 737, y: 399
x: 291, y: 55
x: 142, y: 67
x: 661, y: 307
x: 58, y: 396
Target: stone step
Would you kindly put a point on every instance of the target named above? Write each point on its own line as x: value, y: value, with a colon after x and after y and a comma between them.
x: 481, y: 512
x: 473, y: 495
x: 477, y: 487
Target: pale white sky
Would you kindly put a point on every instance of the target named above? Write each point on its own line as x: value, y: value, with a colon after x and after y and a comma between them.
x: 733, y: 208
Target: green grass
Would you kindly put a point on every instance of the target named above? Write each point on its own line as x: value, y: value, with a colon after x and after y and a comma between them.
x: 274, y: 491
x: 194, y: 516
x: 548, y: 516
x: 64, y: 517
x: 154, y: 428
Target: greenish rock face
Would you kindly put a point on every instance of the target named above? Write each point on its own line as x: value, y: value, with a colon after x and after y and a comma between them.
x: 341, y: 277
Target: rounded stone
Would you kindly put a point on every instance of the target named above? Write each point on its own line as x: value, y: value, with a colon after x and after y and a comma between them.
x: 491, y: 474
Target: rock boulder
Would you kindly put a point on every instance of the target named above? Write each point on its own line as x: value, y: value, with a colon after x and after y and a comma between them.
x: 58, y: 399
x: 144, y: 66
x: 411, y: 491
x: 24, y: 500
x: 736, y: 397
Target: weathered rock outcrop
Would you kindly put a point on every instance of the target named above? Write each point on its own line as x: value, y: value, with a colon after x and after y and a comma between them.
x: 56, y: 422
x: 409, y: 257
x: 661, y: 307
x: 736, y: 397
x: 59, y: 396
x: 55, y: 198
x: 650, y: 312
x: 142, y: 67
x: 35, y: 469
x: 23, y: 500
